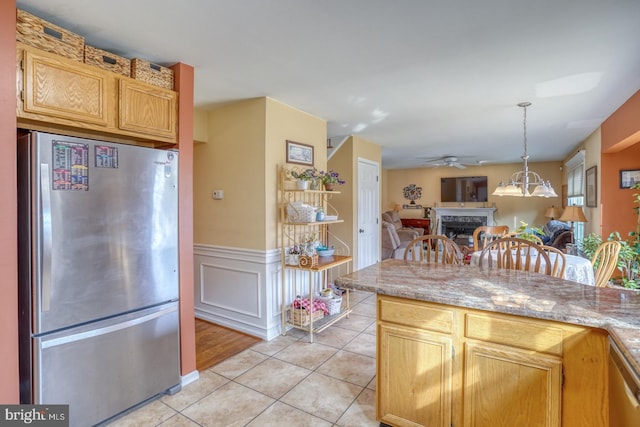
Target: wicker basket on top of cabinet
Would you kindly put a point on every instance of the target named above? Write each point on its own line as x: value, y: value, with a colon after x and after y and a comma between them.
x: 37, y: 32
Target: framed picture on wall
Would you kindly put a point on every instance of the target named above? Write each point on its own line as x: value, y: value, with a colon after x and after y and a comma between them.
x: 629, y: 177
x: 298, y: 153
x: 591, y: 187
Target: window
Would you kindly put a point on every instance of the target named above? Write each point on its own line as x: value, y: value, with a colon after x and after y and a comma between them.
x: 575, y: 189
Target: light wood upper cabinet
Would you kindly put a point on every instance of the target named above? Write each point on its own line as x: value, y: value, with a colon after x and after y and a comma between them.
x: 148, y: 110
x: 54, y: 89
x: 58, y: 94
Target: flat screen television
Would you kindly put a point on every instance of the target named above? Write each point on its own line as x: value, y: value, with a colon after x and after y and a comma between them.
x: 464, y: 189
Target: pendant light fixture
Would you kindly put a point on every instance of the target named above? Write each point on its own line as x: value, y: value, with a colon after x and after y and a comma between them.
x: 521, y: 181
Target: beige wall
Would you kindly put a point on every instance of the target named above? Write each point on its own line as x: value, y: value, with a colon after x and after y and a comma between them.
x: 200, y: 125
x: 592, y: 158
x: 232, y: 160
x: 245, y: 144
x: 287, y: 123
x: 530, y: 210
x: 345, y: 161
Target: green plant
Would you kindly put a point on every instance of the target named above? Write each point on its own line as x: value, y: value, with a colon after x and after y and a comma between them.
x: 330, y: 177
x: 589, y: 244
x: 531, y: 234
x: 306, y: 175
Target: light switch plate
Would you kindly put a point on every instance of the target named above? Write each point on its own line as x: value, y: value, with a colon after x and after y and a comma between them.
x: 218, y: 194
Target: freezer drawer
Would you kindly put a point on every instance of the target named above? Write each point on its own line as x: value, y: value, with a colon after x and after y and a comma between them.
x: 101, y: 370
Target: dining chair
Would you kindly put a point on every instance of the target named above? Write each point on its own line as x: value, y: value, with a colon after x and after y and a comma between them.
x: 487, y: 233
x: 557, y: 259
x: 604, y: 261
x: 515, y: 254
x: 434, y: 248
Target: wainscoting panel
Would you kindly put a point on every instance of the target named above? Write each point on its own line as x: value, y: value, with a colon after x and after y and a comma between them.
x: 242, y: 297
x: 238, y: 288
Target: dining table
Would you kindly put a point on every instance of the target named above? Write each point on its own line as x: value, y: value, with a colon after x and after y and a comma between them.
x: 577, y: 269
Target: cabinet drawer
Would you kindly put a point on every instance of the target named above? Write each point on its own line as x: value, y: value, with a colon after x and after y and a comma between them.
x: 419, y: 315
x: 522, y: 333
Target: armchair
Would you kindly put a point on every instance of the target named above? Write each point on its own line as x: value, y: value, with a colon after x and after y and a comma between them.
x: 394, y: 242
x: 393, y: 217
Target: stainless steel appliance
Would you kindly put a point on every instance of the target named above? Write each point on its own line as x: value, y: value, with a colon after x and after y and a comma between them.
x: 98, y: 274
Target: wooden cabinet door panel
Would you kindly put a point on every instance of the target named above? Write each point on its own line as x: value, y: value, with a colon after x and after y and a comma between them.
x: 511, y: 387
x: 147, y: 110
x: 414, y: 379
x: 53, y: 88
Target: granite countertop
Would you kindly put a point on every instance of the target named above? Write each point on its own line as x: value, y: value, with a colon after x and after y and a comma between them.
x: 507, y: 291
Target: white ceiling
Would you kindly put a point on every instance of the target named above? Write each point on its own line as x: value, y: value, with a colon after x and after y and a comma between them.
x: 421, y: 78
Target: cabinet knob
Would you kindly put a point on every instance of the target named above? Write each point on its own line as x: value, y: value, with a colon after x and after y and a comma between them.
x: 361, y: 230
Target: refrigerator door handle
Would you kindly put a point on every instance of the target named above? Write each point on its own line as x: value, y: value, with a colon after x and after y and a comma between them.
x: 45, y: 260
x: 67, y: 339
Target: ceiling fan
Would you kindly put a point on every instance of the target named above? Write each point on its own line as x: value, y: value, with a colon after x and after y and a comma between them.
x: 450, y: 161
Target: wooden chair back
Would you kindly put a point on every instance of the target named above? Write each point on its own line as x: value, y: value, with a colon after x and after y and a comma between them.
x: 604, y: 262
x: 433, y: 248
x: 515, y: 254
x: 558, y: 261
x: 486, y: 234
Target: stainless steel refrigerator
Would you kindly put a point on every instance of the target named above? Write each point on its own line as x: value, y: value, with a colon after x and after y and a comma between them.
x: 98, y: 274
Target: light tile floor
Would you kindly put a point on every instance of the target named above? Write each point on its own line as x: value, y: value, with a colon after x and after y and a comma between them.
x: 285, y: 381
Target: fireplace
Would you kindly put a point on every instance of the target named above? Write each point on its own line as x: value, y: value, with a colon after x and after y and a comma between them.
x: 459, y: 223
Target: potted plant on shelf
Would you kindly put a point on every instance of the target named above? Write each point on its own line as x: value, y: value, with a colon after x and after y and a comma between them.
x: 305, y: 177
x: 329, y: 179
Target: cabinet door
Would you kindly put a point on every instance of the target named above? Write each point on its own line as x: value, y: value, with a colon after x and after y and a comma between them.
x: 414, y: 377
x: 58, y: 90
x: 510, y: 387
x: 147, y: 109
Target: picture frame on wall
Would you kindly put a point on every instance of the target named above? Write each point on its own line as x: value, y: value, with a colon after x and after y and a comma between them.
x: 299, y: 153
x: 591, y: 187
x: 629, y: 177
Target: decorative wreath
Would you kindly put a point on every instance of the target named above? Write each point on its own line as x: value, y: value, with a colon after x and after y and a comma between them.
x: 412, y: 193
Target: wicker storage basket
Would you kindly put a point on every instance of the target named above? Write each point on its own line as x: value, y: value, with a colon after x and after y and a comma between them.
x: 301, y: 213
x: 107, y: 60
x: 334, y: 303
x: 154, y: 74
x: 300, y: 316
x: 44, y: 35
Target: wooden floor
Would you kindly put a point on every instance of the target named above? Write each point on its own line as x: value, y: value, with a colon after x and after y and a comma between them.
x: 215, y: 343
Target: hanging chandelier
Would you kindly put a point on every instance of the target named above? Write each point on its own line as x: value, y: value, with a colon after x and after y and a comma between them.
x: 521, y: 181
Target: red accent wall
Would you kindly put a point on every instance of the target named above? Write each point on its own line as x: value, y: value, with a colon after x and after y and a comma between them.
x: 9, y: 378
x: 622, y: 129
x: 183, y: 83
x: 620, y: 135
x: 617, y: 203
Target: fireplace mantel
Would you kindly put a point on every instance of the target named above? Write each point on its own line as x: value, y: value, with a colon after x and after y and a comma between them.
x: 463, y: 212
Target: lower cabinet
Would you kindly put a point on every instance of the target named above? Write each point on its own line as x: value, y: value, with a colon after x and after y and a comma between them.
x: 415, y: 378
x: 448, y: 366
x: 507, y: 386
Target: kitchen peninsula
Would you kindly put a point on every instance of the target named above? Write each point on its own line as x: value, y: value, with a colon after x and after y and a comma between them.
x: 459, y: 345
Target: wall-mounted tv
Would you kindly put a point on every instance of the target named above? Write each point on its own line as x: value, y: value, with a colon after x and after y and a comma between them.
x: 463, y: 189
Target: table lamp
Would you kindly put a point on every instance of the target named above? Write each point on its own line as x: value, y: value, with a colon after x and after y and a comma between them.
x: 553, y: 212
x: 573, y: 214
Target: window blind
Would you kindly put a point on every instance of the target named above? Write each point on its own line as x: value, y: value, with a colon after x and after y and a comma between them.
x: 575, y: 175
